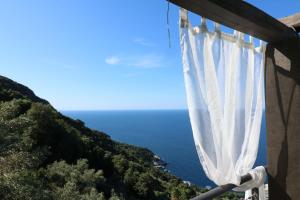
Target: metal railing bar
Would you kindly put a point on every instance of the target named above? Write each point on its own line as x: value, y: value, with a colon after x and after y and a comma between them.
x: 221, y: 189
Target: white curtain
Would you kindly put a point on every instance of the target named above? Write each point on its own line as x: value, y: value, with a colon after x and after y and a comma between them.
x: 224, y: 81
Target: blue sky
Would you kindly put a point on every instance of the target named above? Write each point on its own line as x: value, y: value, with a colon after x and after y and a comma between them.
x: 99, y: 54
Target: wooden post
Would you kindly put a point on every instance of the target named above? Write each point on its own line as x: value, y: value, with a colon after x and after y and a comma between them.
x: 283, y: 118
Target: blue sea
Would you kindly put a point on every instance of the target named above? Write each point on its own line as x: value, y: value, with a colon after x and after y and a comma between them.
x: 166, y: 132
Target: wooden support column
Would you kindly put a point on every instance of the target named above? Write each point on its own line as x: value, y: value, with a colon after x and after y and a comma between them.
x: 283, y: 119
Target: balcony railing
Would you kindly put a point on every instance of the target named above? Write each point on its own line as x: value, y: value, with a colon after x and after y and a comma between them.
x: 218, y: 191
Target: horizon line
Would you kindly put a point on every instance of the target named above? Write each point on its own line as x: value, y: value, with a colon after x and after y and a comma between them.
x: 146, y: 109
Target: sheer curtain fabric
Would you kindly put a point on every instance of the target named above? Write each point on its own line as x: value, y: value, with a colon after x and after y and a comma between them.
x: 224, y: 84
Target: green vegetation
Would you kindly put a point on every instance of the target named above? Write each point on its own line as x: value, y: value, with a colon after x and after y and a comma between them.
x: 45, y: 155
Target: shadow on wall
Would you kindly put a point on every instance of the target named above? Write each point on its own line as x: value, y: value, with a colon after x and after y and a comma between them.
x: 282, y: 111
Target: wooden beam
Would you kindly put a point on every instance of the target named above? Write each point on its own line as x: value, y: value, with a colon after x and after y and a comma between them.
x: 240, y: 16
x: 293, y: 20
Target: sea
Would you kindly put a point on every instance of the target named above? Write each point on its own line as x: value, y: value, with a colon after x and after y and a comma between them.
x: 165, y: 132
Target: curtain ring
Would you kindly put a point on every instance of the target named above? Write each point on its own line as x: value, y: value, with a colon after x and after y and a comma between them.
x: 238, y: 35
x: 241, y: 36
x: 261, y: 45
x: 217, y: 27
x: 183, y: 13
x: 235, y: 33
x: 203, y: 21
x: 251, y: 39
x: 203, y: 26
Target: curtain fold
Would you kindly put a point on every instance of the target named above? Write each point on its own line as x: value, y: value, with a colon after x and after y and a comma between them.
x: 224, y: 82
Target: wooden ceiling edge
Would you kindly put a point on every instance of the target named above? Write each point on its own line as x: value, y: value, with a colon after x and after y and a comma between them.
x: 292, y: 20
x: 241, y: 16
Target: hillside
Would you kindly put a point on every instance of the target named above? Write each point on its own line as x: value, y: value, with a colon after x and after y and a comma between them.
x: 45, y: 155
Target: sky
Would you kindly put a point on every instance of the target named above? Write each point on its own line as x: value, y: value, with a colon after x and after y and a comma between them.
x: 100, y: 54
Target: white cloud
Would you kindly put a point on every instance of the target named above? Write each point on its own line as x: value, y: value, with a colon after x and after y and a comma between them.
x: 144, y: 42
x: 143, y: 61
x: 113, y: 60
